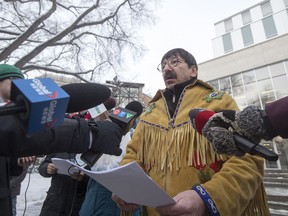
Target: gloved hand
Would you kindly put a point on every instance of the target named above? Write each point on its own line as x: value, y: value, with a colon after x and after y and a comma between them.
x: 250, y: 123
x: 106, y: 137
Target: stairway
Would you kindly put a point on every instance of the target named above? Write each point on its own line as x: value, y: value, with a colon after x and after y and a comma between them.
x: 276, y: 185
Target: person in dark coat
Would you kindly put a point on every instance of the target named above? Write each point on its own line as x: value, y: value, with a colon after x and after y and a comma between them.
x: 66, y: 193
x: 74, y: 135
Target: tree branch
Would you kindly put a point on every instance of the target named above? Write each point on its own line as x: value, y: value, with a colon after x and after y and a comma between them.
x: 8, y: 50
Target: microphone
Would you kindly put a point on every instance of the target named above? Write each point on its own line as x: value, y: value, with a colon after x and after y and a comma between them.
x: 41, y: 103
x: 204, y: 120
x: 100, y: 112
x: 125, y: 118
x: 84, y: 96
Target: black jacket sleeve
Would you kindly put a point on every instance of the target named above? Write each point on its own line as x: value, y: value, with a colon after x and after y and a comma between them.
x: 71, y: 136
x: 277, y: 113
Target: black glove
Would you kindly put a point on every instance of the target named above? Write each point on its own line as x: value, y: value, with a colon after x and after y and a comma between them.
x: 106, y: 137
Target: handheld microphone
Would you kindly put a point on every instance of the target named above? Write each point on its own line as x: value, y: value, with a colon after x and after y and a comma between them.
x: 125, y: 118
x: 100, y: 112
x: 199, y: 118
x: 41, y: 103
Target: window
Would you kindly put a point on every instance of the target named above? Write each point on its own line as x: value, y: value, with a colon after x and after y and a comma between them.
x: 246, y: 17
x: 277, y: 69
x: 228, y: 25
x: 225, y: 85
x: 252, y: 94
x: 237, y: 85
x: 227, y: 42
x: 247, y: 35
x: 280, y: 83
x: 269, y: 27
x: 262, y: 73
x: 286, y: 3
x: 214, y: 83
x: 248, y: 77
x: 267, y: 93
x: 266, y: 9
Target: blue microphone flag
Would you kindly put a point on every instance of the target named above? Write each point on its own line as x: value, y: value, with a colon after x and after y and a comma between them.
x: 45, y: 102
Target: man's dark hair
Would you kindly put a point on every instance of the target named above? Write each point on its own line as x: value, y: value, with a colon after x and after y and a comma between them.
x: 186, y: 56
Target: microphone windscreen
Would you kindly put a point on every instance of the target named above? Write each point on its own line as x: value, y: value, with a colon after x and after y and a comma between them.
x: 84, y: 96
x: 135, y: 106
x: 110, y: 103
x: 199, y: 117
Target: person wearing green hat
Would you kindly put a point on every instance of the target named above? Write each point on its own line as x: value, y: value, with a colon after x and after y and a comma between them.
x: 8, y: 72
x: 14, y: 172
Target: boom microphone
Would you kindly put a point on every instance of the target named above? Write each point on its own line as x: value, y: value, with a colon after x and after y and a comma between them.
x: 199, y: 117
x: 125, y: 118
x: 84, y: 96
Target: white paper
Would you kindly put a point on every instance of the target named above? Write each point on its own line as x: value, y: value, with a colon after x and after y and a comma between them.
x: 129, y: 182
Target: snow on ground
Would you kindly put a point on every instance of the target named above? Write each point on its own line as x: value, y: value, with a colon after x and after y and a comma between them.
x: 35, y: 193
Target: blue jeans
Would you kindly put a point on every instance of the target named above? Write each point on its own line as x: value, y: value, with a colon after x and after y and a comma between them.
x: 98, y: 202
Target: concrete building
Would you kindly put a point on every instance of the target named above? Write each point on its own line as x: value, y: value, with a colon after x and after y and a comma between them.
x: 251, y: 60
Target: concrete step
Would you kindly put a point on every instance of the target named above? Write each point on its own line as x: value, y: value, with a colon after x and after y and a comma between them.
x: 276, y: 184
x: 278, y: 205
x: 274, y: 212
x: 276, y: 179
x: 276, y: 175
x: 278, y: 198
x: 276, y: 170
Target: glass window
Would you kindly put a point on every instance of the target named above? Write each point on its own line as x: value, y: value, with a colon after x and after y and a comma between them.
x: 237, y: 85
x: 246, y: 17
x: 228, y: 25
x: 280, y: 85
x: 247, y: 35
x: 277, y: 69
x: 215, y: 84
x: 249, y: 77
x: 269, y: 27
x: 225, y: 85
x: 241, y: 102
x: 286, y: 3
x: 262, y: 73
x: 266, y: 91
x: 227, y: 43
x: 252, y: 94
x: 266, y: 9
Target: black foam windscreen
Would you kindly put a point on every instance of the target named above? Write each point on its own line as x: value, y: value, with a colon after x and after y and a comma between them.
x: 135, y: 106
x: 110, y: 103
x: 84, y: 96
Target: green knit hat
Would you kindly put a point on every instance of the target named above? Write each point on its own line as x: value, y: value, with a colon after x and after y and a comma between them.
x: 7, y: 71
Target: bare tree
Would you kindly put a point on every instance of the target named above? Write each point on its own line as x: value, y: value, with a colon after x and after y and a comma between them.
x: 82, y: 38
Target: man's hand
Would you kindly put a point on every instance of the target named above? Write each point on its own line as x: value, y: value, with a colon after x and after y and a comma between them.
x: 128, y: 207
x: 188, y: 203
x: 106, y: 137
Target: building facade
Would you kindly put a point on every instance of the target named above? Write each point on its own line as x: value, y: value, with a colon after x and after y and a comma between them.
x: 251, y: 60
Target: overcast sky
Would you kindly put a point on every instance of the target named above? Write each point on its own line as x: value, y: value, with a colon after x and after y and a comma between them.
x: 188, y: 24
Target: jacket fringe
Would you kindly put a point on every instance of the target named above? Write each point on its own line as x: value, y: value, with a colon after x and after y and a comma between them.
x: 258, y: 205
x: 164, y: 154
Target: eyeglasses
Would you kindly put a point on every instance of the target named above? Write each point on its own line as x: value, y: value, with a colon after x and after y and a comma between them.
x: 171, y: 62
